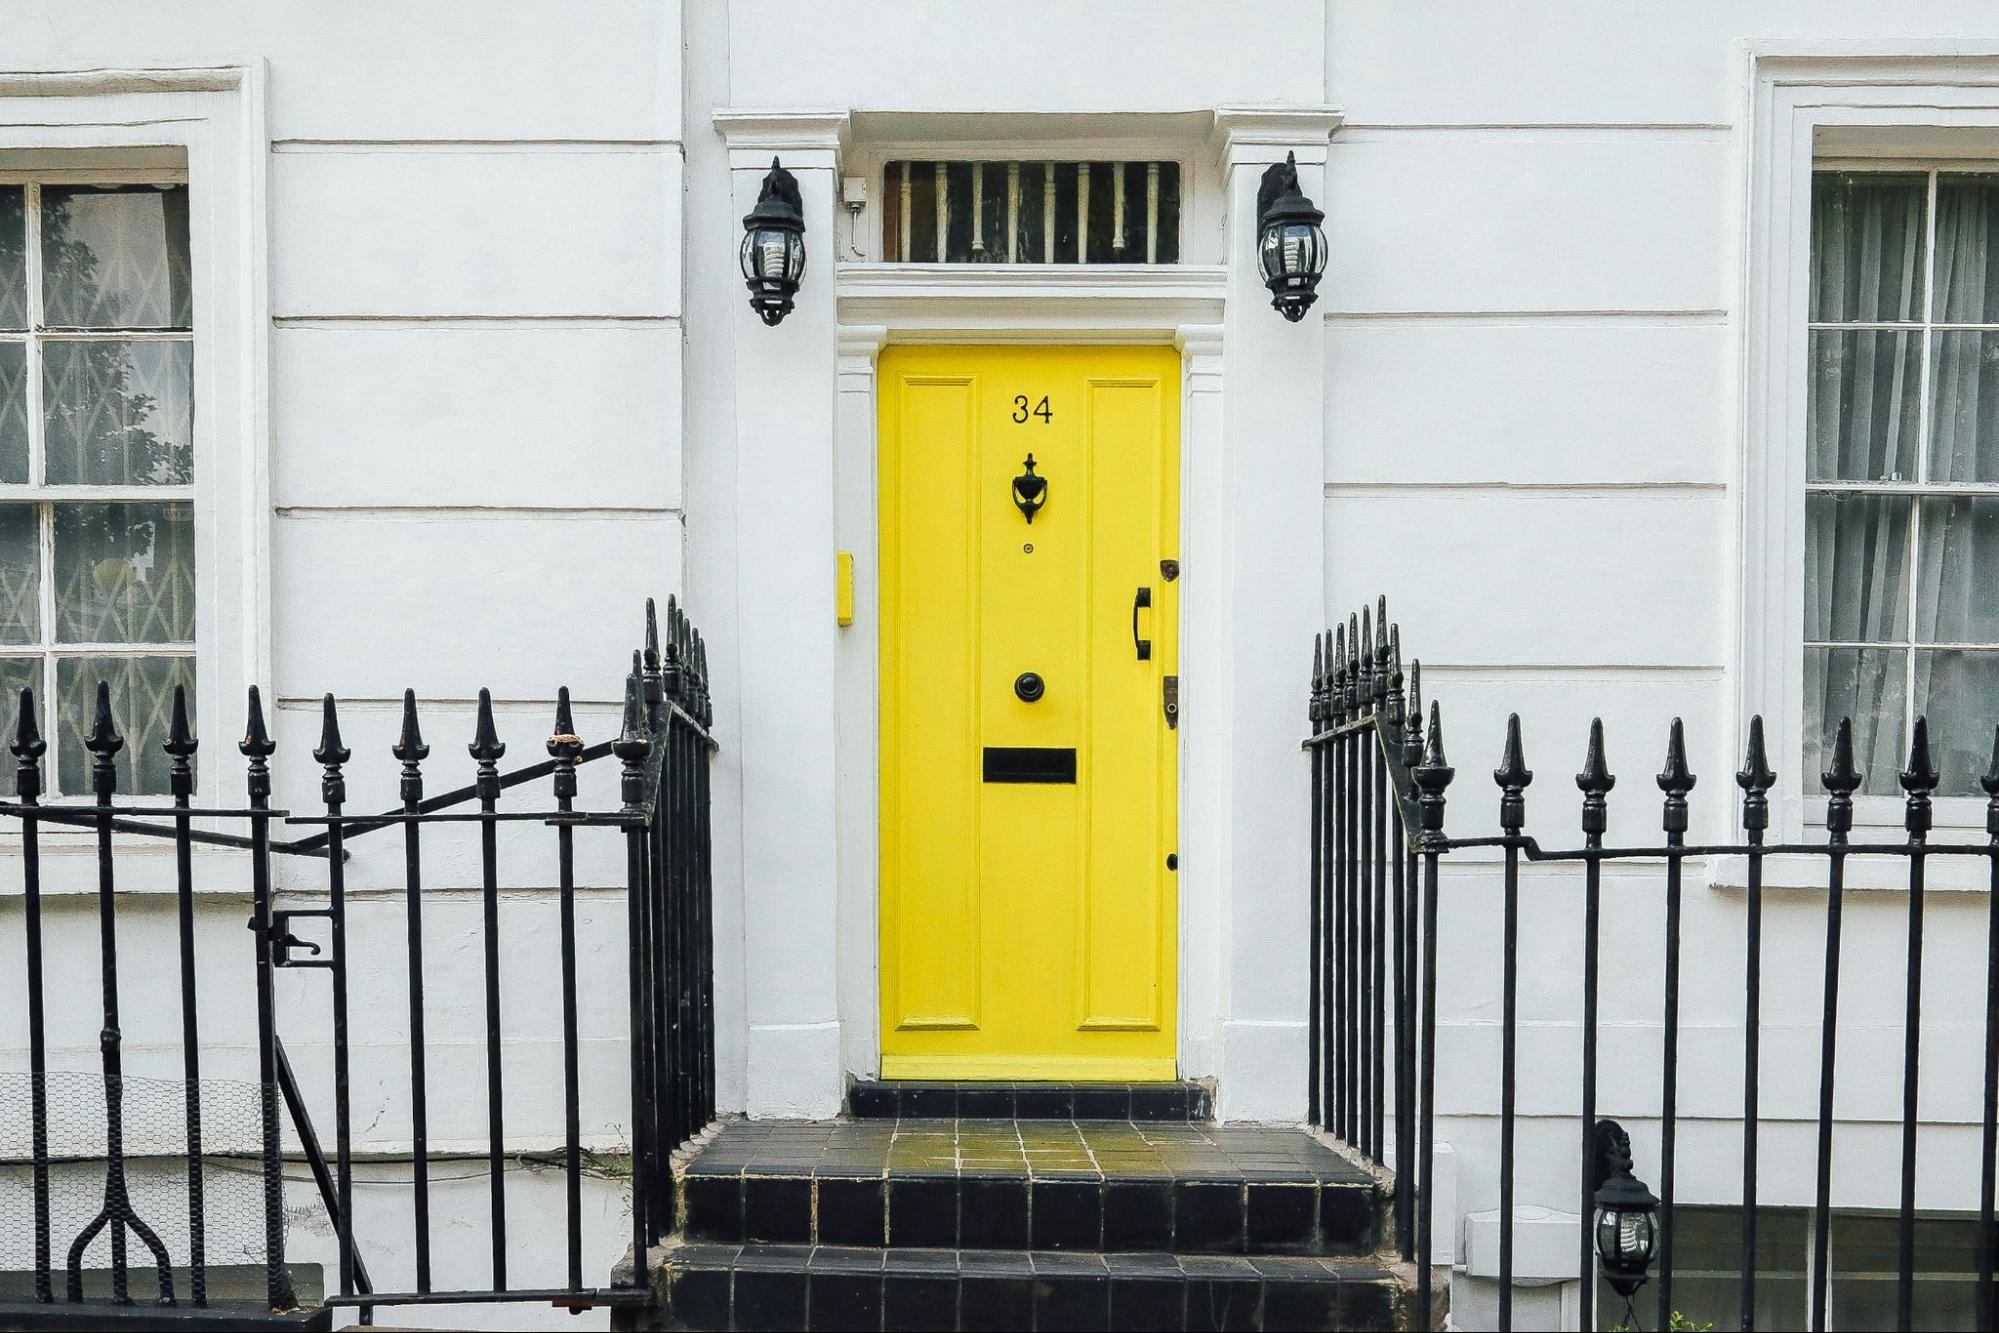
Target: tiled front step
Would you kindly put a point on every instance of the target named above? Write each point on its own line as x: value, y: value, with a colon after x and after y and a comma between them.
x: 1046, y: 1185
x: 772, y: 1287
x: 931, y: 1100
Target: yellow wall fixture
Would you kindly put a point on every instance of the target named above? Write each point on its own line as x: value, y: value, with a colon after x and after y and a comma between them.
x: 843, y: 587
x: 1028, y: 769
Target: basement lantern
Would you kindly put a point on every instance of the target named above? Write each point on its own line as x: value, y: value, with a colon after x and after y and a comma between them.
x: 1627, y: 1213
x: 1290, y: 247
x: 773, y: 255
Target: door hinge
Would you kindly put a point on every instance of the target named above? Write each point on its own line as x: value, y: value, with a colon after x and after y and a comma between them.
x: 1169, y: 696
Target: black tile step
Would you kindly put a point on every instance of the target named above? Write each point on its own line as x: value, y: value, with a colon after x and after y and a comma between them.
x: 930, y: 1099
x: 1016, y: 1185
x: 775, y: 1287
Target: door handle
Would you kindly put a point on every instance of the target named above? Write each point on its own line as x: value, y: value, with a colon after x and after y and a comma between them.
x: 1143, y: 647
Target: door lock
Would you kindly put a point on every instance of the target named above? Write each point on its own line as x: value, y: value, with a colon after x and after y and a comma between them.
x: 1169, y: 701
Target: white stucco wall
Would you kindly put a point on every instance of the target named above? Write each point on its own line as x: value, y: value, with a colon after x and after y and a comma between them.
x: 502, y: 293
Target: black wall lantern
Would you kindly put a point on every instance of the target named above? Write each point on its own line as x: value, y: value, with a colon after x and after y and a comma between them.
x: 773, y: 255
x: 1290, y: 246
x: 1627, y: 1213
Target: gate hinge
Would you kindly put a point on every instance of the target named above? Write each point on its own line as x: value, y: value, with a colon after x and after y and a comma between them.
x: 1169, y: 695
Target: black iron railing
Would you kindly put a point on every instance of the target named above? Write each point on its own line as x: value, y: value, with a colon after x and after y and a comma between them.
x: 1379, y: 782
x: 663, y: 749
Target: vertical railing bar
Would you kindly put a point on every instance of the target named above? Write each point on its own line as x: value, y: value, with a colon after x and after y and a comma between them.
x: 905, y: 208
x: 1334, y: 836
x: 1013, y: 238
x: 1082, y: 212
x: 943, y: 207
x: 1675, y: 781
x: 631, y: 748
x: 1350, y: 1076
x: 1374, y: 741
x: 1117, y: 211
x: 1918, y: 781
x: 1315, y: 714
x: 1152, y: 212
x: 333, y: 789
x: 258, y: 747
x: 28, y: 748
x: 564, y: 745
x: 180, y: 748
x: 1595, y: 781
x: 1512, y: 775
x: 1432, y: 777
x: 978, y: 211
x: 1048, y: 213
x: 486, y: 750
x: 1364, y: 889
x: 1840, y: 782
x: 1755, y: 779
x: 411, y: 751
x: 1988, y: 1177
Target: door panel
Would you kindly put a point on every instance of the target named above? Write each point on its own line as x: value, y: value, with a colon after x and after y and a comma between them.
x: 1027, y: 926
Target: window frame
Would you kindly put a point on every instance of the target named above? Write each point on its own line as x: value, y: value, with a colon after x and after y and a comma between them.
x: 1811, y: 109
x: 42, y: 496
x: 205, y: 124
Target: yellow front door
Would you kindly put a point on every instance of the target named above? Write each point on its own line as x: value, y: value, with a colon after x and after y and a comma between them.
x: 1028, y: 770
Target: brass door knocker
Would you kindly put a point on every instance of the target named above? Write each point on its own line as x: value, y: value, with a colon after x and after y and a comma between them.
x: 1029, y: 491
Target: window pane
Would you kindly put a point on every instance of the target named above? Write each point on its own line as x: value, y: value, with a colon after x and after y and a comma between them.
x: 142, y: 696
x: 115, y: 258
x: 20, y: 575
x: 1967, y: 275
x: 1047, y: 204
x: 1870, y: 686
x: 13, y: 413
x: 1862, y: 416
x: 119, y: 413
x: 17, y: 674
x: 124, y: 573
x: 1956, y: 690
x: 1964, y: 406
x: 13, y: 257
x: 1867, y: 246
x: 1856, y: 567
x: 1865, y: 1261
x: 1957, y: 600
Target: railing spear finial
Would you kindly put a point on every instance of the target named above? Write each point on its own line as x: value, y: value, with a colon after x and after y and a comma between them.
x: 1676, y: 779
x: 1513, y: 775
x: 104, y: 743
x: 1595, y: 782
x: 1412, y: 726
x: 1919, y: 780
x: 1433, y: 775
x: 29, y: 747
x: 411, y: 750
x: 1840, y: 782
x: 331, y: 754
x: 1990, y: 782
x: 1756, y: 779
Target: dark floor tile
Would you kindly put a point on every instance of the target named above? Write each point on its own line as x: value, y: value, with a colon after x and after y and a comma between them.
x: 777, y: 1209
x: 768, y: 1298
x: 919, y: 1301
x: 1045, y: 1101
x: 1156, y: 1104
x: 715, y: 1207
x: 995, y: 1304
x: 1106, y: 1102
x: 1071, y: 1303
x: 1154, y: 1303
x: 1347, y: 1219
x: 1369, y: 1304
x: 988, y: 1103
x: 992, y: 1213
x: 1138, y: 1215
x: 1207, y: 1217
x: 929, y: 1101
x: 1282, y: 1218
x: 700, y: 1298
x: 1301, y: 1304
x: 850, y: 1211
x: 922, y: 1211
x: 872, y: 1101
x: 1221, y: 1305
x: 846, y: 1300
x: 1067, y: 1215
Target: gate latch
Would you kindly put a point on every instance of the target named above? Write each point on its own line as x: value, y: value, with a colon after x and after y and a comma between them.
x: 283, y: 941
x: 1169, y: 697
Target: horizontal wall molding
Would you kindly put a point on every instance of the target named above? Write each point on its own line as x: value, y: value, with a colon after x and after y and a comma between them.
x: 1577, y: 489
x: 1572, y: 316
x: 1353, y: 131
x: 468, y: 321
x: 1631, y: 671
x: 419, y: 513
x: 335, y: 146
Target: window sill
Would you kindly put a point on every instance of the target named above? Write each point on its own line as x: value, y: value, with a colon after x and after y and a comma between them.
x: 1871, y: 874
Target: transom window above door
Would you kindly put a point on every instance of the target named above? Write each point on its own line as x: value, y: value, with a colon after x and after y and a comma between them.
x: 97, y: 530
x: 1038, y: 212
x: 1902, y: 471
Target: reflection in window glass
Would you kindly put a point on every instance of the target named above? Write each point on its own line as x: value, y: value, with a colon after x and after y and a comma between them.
x: 115, y: 258
x: 1045, y: 212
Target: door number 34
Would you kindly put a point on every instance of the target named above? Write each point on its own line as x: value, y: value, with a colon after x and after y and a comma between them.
x: 1021, y: 410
